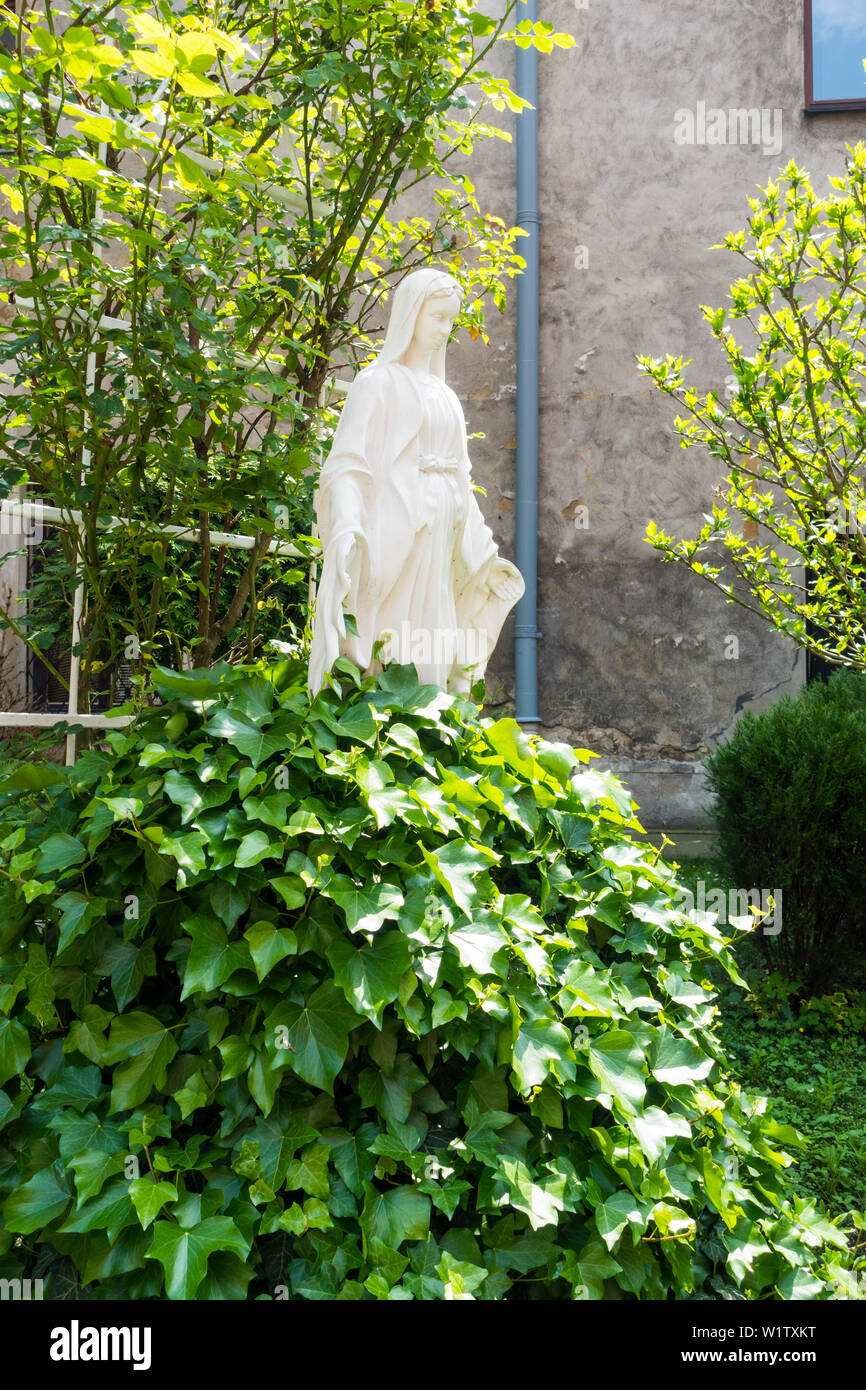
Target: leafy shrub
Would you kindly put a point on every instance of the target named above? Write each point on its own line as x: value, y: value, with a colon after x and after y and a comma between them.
x: 371, y: 998
x: 790, y: 789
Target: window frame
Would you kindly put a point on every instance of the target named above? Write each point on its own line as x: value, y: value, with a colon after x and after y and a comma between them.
x: 813, y: 107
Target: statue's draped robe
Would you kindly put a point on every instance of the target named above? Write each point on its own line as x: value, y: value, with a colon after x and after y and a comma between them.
x: 398, y: 479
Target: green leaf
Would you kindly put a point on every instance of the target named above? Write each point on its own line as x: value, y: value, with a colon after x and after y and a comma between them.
x: 679, y: 1063
x: 14, y: 1049
x: 92, y: 1169
x: 269, y: 945
x: 291, y: 890
x: 456, y: 865
x: 365, y: 908
x: 36, y: 1203
x: 255, y: 847
x: 317, y: 1035
x: 370, y: 977
x: 34, y: 777
x: 228, y: 902
x: 128, y: 965
x: 616, y: 1062
x: 352, y: 1155
x: 309, y: 1172
x: 655, y: 1128
x: 111, y: 1211
x: 144, y: 1047
x: 254, y: 743
x: 184, y: 1254
x: 193, y: 796
x: 78, y: 913
x: 149, y: 1198
x: 614, y: 1214
x: 395, y: 1216
x: 542, y: 1048
x: 479, y: 944
x: 213, y: 958
x: 593, y: 1266
x: 59, y: 852
x: 541, y: 1201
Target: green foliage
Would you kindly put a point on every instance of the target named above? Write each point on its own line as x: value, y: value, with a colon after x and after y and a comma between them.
x: 204, y: 225
x: 810, y: 1060
x: 370, y: 999
x: 788, y: 788
x: 788, y: 431
x: 807, y: 1055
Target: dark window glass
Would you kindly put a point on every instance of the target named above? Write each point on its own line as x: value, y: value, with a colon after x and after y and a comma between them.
x: 835, y: 49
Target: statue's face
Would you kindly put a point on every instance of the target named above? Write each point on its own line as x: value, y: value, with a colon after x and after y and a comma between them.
x: 434, y: 322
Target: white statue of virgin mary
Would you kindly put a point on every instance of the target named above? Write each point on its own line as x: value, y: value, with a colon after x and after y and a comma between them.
x: 405, y: 549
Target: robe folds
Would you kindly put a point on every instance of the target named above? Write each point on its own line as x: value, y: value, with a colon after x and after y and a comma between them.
x: 423, y: 552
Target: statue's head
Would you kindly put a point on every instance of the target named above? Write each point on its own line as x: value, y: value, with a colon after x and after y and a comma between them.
x: 423, y: 311
x: 435, y: 319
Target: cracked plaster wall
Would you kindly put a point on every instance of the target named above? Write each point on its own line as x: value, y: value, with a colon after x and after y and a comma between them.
x: 632, y: 660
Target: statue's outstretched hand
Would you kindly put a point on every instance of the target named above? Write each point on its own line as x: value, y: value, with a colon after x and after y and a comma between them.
x: 506, y: 581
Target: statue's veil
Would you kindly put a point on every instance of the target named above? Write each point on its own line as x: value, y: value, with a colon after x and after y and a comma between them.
x: 405, y: 307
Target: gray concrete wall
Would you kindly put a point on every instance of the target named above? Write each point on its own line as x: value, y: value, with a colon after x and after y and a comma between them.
x: 632, y: 659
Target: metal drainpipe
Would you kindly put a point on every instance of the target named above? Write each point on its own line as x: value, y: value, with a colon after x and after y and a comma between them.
x: 526, y: 632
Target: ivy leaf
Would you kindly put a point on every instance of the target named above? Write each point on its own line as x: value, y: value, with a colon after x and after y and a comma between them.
x: 395, y: 1216
x: 14, y: 1048
x: 309, y: 1172
x: 213, y: 958
x: 455, y: 865
x: 480, y: 943
x: 193, y: 796
x: 365, y: 908
x: 655, y: 1128
x: 279, y: 1135
x: 77, y: 915
x: 317, y: 1034
x: 128, y: 965
x: 540, y: 1202
x: 84, y: 1132
x: 87, y: 1033
x: 593, y: 1266
x: 229, y: 902
x: 543, y: 1047
x: 80, y: 1087
x: 149, y: 1198
x: 36, y: 1203
x: 59, y: 852
x: 370, y: 977
x: 616, y: 1062
x: 184, y: 1254
x: 254, y: 743
x: 92, y: 1168
x: 352, y: 1155
x: 255, y: 847
x: 614, y: 1214
x: 679, y: 1063
x: 269, y: 945
x: 144, y: 1047
x: 111, y: 1211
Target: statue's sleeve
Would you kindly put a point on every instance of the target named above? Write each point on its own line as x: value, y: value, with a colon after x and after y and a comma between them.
x: 346, y: 481
x: 477, y: 547
x: 343, y: 507
x: 479, y: 609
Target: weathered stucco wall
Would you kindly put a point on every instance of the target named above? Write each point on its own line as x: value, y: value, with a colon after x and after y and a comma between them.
x: 633, y: 655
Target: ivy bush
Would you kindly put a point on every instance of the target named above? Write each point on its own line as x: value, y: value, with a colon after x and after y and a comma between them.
x: 791, y: 816
x: 369, y: 999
